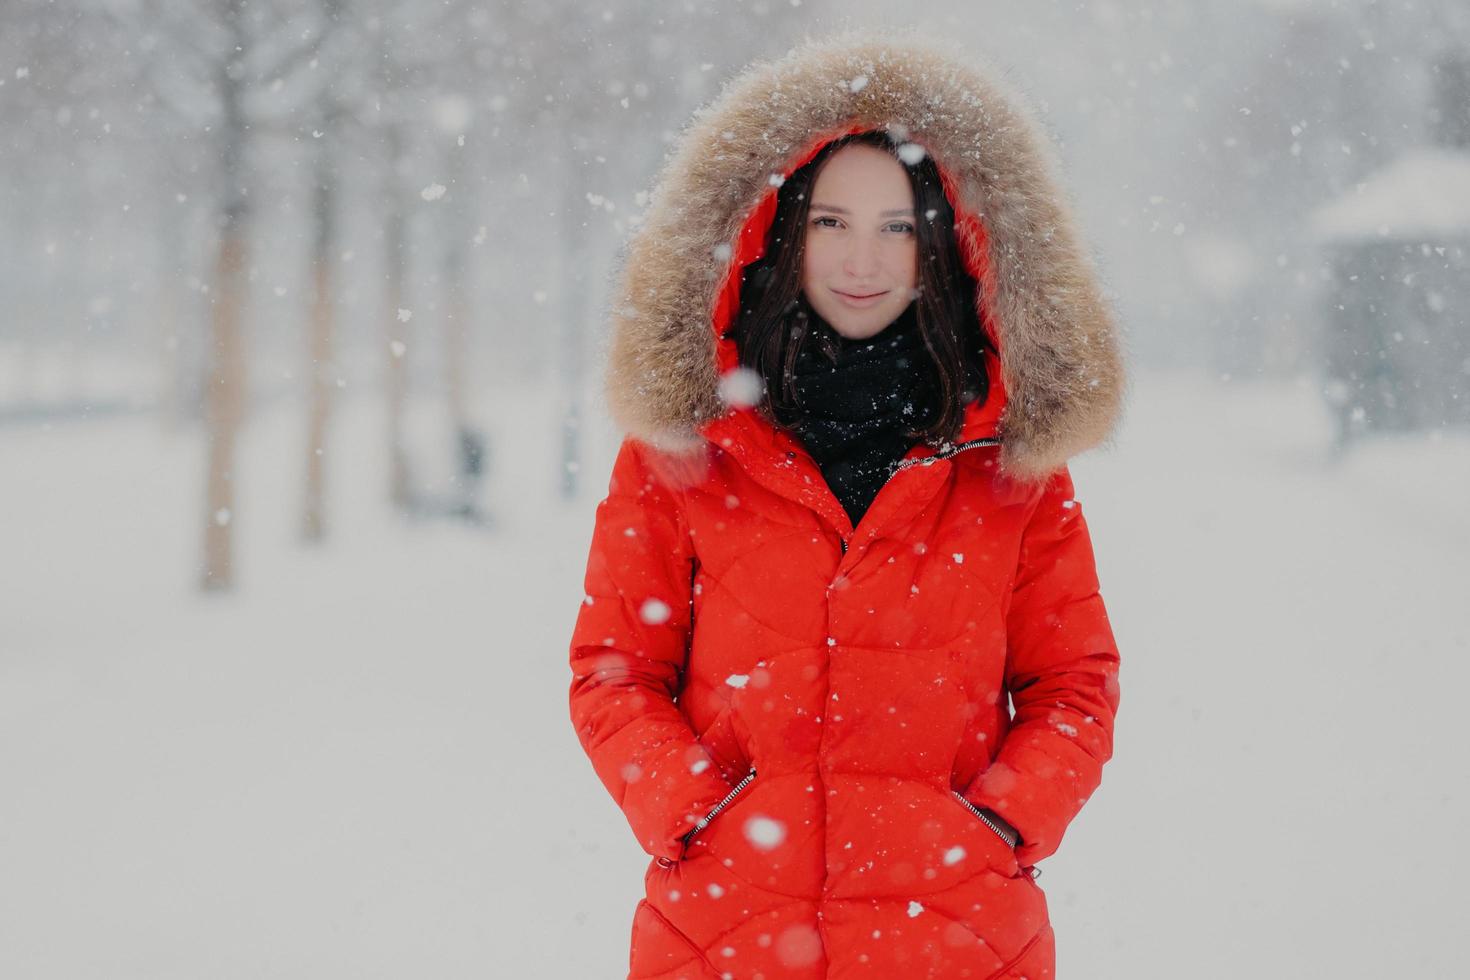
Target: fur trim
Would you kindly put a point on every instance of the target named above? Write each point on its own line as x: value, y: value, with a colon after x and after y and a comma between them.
x: 1059, y: 348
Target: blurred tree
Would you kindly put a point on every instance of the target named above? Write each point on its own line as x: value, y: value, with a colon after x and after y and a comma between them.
x: 209, y: 63
x: 317, y: 102
x: 438, y: 61
x: 606, y: 91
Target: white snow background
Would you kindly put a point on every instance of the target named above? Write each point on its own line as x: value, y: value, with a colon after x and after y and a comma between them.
x: 361, y: 764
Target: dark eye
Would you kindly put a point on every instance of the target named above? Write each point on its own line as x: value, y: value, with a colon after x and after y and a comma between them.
x: 902, y: 224
x: 822, y: 219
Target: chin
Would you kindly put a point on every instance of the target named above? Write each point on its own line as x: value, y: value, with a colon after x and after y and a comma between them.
x: 859, y: 328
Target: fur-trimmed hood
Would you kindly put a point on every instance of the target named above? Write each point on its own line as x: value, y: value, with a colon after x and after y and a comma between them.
x: 1062, y: 381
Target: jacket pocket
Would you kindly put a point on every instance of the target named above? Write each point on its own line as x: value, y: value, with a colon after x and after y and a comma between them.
x: 983, y: 819
x: 718, y: 807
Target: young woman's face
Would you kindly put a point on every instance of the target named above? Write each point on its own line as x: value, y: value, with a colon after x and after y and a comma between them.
x: 860, y: 242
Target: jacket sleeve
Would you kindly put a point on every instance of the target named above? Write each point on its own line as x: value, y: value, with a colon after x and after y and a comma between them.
x: 628, y: 654
x: 1062, y: 674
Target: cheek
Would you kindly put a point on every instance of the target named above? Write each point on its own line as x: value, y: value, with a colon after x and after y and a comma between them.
x: 814, y: 263
x: 908, y: 266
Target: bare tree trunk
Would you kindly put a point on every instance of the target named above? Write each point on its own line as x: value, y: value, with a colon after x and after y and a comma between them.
x: 470, y: 442
x: 225, y: 392
x: 172, y: 403
x: 34, y: 318
x: 574, y: 307
x: 174, y: 386
x: 456, y: 301
x: 400, y: 490
x: 319, y: 369
x: 224, y: 401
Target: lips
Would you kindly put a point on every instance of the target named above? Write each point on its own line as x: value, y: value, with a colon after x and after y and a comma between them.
x: 859, y: 302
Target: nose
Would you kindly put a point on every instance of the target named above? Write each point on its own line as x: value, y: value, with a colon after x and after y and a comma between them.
x: 861, y: 259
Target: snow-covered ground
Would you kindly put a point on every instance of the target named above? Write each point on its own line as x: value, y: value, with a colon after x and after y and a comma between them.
x: 361, y: 764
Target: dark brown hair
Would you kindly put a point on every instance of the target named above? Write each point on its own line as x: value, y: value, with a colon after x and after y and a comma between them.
x: 772, y: 326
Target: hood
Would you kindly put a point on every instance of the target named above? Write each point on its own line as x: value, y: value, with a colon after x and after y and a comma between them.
x: 1058, y: 385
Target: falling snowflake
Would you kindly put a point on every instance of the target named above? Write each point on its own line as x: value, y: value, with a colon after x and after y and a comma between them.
x: 741, y: 387
x: 912, y: 154
x: 654, y: 611
x: 765, y: 833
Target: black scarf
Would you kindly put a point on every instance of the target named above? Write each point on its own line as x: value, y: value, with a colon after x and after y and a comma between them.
x: 854, y: 413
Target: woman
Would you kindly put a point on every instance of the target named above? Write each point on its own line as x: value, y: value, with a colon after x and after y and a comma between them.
x: 841, y: 530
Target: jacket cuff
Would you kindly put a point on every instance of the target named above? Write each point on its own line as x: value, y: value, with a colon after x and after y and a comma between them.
x: 1026, y: 785
x: 667, y: 797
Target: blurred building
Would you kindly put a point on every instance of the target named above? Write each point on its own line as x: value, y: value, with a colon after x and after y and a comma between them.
x: 1395, y: 343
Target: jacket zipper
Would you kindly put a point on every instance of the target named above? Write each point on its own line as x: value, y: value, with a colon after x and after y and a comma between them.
x: 986, y: 820
x: 945, y: 453
x: 705, y: 821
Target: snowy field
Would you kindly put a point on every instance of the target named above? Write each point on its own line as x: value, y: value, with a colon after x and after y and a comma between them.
x: 361, y: 765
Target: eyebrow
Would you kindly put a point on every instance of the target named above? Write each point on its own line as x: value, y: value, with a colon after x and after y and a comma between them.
x: 836, y: 210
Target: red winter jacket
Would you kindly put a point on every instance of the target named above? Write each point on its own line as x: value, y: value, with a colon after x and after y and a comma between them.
x: 799, y: 718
